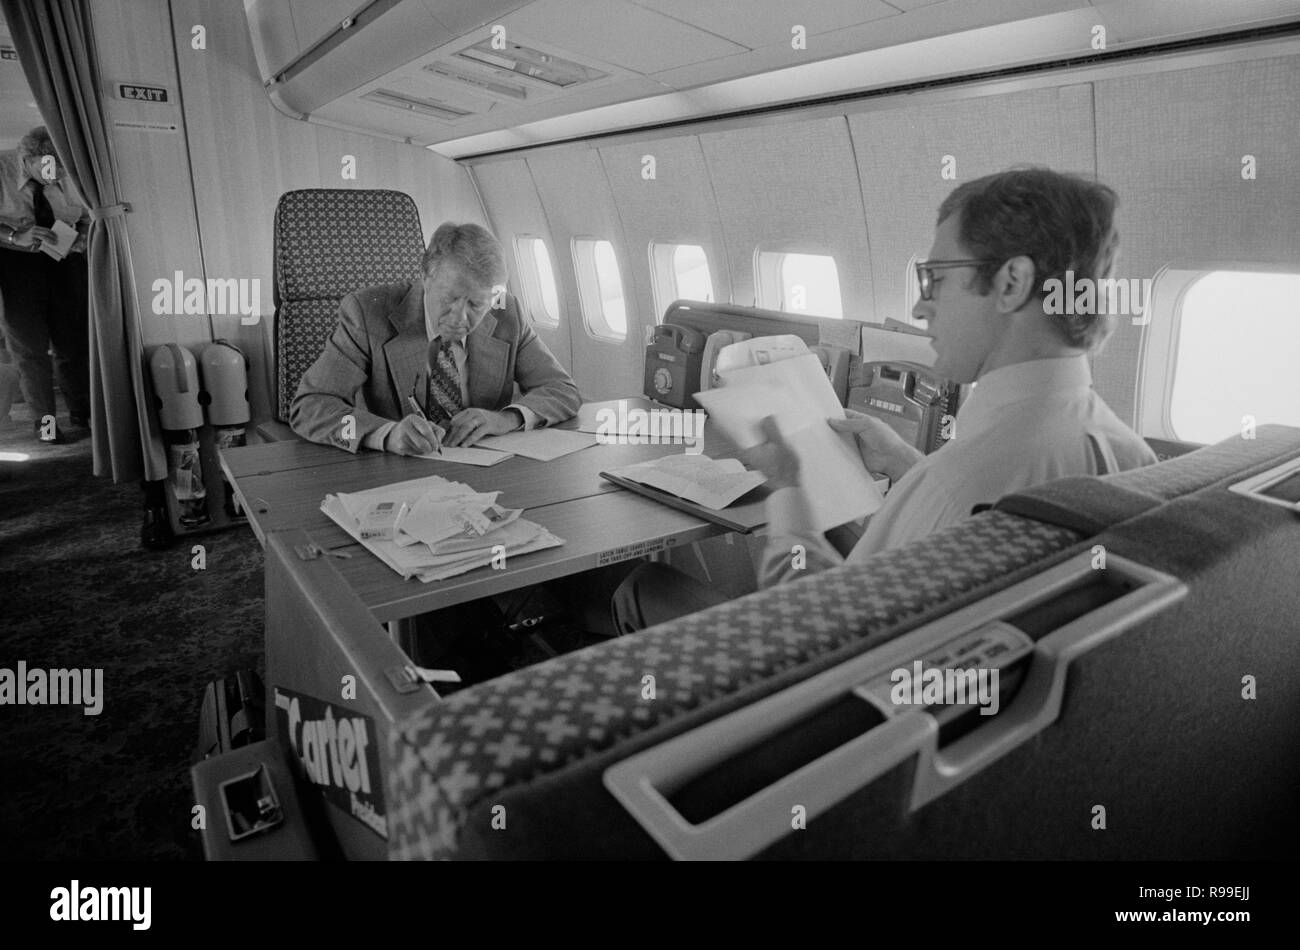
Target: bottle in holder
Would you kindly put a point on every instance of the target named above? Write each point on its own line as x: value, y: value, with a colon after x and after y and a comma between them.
x: 186, y: 473
x: 228, y: 438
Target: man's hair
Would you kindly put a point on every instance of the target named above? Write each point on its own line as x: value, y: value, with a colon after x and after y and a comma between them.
x: 36, y: 143
x: 470, y: 245
x: 1062, y: 222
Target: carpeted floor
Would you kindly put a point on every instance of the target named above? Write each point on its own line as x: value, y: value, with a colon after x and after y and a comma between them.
x: 77, y: 590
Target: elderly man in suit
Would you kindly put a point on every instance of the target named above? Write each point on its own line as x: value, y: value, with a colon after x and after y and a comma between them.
x: 417, y: 365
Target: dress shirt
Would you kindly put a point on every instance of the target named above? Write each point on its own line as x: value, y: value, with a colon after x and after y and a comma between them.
x: 1023, y: 425
x: 16, y: 195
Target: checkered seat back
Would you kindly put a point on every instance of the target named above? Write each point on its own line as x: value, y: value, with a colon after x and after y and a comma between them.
x: 328, y: 243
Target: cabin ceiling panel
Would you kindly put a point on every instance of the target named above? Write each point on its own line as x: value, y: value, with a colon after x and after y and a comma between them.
x: 675, y: 206
x: 619, y: 32
x: 759, y: 23
x: 1172, y: 144
x: 791, y: 187
x: 901, y: 155
x: 513, y: 208
x: 578, y: 202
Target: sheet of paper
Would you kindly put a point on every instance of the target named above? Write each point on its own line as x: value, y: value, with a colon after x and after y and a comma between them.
x: 798, y: 395
x: 881, y: 345
x: 435, y: 518
x: 65, y: 234
x: 697, y: 478
x: 540, y: 444
x: 467, y: 456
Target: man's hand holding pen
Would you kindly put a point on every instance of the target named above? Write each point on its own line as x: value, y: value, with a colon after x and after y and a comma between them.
x: 414, y: 435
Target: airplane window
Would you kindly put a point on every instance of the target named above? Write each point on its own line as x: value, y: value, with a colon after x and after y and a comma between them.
x: 680, y: 272
x: 600, y: 286
x: 691, y: 273
x: 799, y: 283
x: 538, y: 278
x: 1238, y: 348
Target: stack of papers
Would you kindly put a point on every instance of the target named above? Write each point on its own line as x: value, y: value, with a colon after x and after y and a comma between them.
x: 697, y: 478
x: 448, y: 528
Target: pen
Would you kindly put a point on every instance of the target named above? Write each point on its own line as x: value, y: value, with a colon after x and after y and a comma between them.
x: 410, y: 397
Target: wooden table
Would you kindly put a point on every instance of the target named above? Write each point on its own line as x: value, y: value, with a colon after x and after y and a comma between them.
x: 281, y: 486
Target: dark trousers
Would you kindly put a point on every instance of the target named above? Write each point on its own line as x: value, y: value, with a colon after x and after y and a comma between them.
x: 46, y: 302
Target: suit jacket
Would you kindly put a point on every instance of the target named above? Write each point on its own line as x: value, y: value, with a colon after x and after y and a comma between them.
x: 379, y: 349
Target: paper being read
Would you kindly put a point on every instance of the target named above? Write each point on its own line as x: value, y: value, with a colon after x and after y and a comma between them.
x: 797, y: 393
x: 65, y: 234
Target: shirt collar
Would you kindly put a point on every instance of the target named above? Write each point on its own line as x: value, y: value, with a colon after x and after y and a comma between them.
x: 1019, y: 382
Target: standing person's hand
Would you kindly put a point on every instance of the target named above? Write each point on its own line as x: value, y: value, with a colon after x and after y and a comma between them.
x: 414, y: 436
x: 883, y: 450
x: 34, y: 237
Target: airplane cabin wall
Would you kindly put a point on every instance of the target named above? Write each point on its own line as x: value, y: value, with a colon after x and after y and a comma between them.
x: 675, y: 206
x: 242, y: 154
x: 791, y: 187
x: 246, y: 154
x: 518, y: 211
x: 576, y: 196
x: 866, y: 187
x: 133, y: 44
x: 1172, y: 145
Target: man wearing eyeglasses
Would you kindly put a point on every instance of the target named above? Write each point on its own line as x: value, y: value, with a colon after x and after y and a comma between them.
x: 425, y: 363
x: 1033, y: 415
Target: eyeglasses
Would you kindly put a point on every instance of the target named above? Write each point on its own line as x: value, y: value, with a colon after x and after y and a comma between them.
x: 925, y: 272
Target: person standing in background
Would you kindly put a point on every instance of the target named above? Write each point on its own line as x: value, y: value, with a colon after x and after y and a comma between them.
x: 45, y: 299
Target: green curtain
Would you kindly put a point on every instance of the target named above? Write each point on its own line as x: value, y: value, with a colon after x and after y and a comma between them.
x: 55, y: 44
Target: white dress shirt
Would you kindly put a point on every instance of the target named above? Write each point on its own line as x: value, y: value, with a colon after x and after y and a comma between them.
x: 1023, y: 425
x: 375, y: 439
x: 16, y: 202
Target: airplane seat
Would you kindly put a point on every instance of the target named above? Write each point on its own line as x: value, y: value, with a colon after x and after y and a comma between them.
x: 1134, y: 686
x: 329, y: 242
x: 538, y: 739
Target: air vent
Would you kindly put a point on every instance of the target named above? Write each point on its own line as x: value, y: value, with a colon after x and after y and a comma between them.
x: 397, y: 100
x: 533, y: 64
x: 492, y: 86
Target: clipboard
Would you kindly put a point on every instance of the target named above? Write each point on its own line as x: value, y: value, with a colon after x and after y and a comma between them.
x: 743, y: 517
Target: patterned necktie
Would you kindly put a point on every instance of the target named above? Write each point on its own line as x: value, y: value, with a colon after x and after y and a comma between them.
x: 443, y: 386
x: 41, y: 209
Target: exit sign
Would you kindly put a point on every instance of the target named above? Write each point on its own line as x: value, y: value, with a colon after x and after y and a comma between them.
x: 139, y: 93
x: 8, y: 52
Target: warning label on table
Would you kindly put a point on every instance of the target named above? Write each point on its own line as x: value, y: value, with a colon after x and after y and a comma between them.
x: 629, y: 551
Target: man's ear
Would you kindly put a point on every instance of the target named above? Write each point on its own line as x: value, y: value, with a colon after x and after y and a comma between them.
x: 1014, y: 283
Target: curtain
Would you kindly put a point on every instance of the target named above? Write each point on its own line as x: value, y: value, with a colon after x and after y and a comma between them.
x: 56, y: 45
